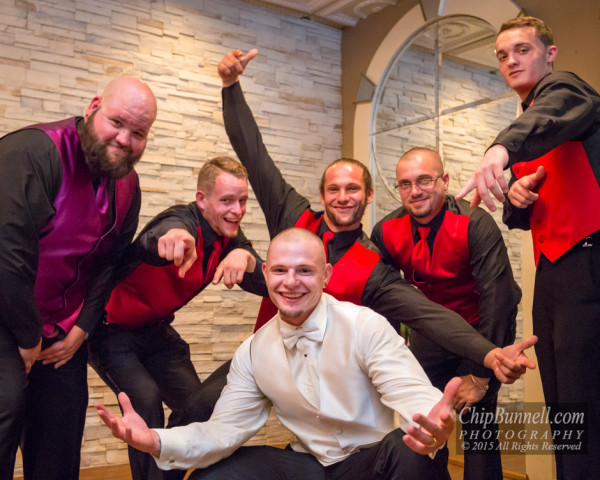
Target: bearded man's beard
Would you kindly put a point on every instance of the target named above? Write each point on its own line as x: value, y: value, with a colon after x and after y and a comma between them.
x: 97, y: 157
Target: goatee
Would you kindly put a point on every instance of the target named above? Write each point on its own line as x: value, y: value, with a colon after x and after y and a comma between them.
x: 97, y: 157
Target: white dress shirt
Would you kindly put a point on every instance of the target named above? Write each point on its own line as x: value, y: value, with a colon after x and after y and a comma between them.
x: 338, y: 398
x: 303, y: 358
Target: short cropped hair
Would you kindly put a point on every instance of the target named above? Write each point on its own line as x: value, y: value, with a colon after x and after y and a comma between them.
x: 207, y: 176
x: 542, y: 31
x: 366, y: 175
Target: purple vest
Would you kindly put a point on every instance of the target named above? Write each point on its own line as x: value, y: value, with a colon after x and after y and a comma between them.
x: 78, y: 233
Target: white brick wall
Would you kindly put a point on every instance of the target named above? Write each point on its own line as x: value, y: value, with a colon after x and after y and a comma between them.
x: 55, y: 55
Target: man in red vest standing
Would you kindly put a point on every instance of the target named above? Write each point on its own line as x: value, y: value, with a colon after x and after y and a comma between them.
x: 177, y: 254
x: 553, y: 150
x: 456, y: 256
x: 69, y: 205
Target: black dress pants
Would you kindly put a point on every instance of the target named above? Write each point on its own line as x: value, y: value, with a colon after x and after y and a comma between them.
x: 390, y: 459
x: 566, y: 318
x: 441, y: 366
x: 45, y: 411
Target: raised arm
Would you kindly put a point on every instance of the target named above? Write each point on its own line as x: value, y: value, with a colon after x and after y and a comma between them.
x: 279, y: 201
x: 233, y: 65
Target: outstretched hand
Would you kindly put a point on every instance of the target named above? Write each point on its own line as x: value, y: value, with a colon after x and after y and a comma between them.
x: 233, y: 65
x: 510, y: 362
x: 488, y: 178
x: 437, y: 426
x: 523, y: 191
x: 131, y: 428
x: 179, y: 246
x: 233, y: 266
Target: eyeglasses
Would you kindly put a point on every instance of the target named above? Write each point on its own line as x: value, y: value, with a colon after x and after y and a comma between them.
x: 422, y: 182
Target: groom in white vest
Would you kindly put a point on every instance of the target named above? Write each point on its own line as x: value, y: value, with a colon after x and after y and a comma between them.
x: 334, y: 373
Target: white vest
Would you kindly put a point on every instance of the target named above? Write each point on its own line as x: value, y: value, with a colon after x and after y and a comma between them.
x: 351, y: 415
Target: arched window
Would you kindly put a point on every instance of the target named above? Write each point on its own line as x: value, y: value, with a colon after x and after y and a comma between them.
x: 441, y: 90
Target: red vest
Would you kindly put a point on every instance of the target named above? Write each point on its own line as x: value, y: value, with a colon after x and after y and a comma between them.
x: 150, y: 294
x: 78, y: 233
x: 450, y: 282
x: 568, y: 207
x: 349, y: 276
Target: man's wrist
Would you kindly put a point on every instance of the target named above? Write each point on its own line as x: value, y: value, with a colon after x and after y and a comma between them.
x: 489, y: 359
x: 229, y: 83
x: 478, y: 383
x: 157, y: 445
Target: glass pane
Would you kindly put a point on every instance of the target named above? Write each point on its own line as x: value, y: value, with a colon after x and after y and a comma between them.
x: 443, y: 91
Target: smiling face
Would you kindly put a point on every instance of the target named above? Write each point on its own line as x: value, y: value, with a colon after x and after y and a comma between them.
x: 116, y: 127
x: 344, y: 196
x: 422, y: 203
x: 296, y: 273
x: 224, y: 205
x: 523, y: 58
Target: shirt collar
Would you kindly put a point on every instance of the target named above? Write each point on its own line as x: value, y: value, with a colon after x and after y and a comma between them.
x: 434, y: 224
x: 525, y: 104
x: 341, y: 240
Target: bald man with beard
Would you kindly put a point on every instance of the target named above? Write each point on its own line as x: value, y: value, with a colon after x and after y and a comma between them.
x: 69, y: 205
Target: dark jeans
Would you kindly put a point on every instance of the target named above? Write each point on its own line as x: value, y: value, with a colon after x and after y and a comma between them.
x: 45, y: 410
x: 390, y: 459
x: 566, y: 319
x: 441, y: 366
x: 152, y: 365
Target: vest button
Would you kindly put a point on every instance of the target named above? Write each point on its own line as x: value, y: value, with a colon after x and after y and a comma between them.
x: 517, y: 169
x: 538, y: 221
x: 541, y: 239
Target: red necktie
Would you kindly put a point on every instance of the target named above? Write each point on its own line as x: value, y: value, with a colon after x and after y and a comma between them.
x: 421, y: 256
x: 327, y: 236
x: 213, y: 260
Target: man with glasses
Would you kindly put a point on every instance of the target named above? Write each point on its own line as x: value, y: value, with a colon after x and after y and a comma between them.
x: 456, y: 256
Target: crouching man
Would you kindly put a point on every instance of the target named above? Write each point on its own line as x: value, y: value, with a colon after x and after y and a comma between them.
x: 334, y: 373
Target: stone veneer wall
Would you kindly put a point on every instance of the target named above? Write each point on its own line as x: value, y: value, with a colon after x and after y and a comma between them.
x: 55, y: 55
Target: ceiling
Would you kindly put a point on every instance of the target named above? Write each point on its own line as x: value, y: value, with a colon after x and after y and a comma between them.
x: 463, y: 41
x: 336, y: 13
